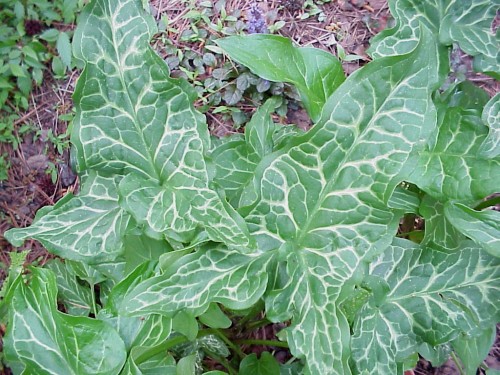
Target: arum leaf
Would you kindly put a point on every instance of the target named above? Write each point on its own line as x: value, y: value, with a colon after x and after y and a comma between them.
x: 468, y: 23
x: 472, y: 350
x: 46, y: 341
x: 88, y: 227
x: 481, y: 226
x: 433, y: 297
x: 491, y: 116
x: 439, y: 231
x: 76, y: 298
x: 132, y: 119
x: 403, y: 37
x: 237, y: 159
x: 315, y: 73
x: 322, y: 199
x: 453, y: 168
x: 216, y: 275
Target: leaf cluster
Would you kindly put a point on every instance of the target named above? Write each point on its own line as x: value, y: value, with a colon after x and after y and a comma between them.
x: 179, y: 243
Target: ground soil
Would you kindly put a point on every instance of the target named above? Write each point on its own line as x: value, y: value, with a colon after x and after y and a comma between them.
x: 29, y: 187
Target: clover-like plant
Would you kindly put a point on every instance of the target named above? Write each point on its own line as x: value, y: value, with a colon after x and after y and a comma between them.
x: 181, y: 232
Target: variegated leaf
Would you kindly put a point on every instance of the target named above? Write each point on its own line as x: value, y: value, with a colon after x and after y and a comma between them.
x: 491, y: 117
x: 481, y: 226
x: 322, y: 200
x: 77, y: 298
x: 453, y: 168
x: 237, y: 159
x: 88, y: 227
x: 424, y: 296
x: 42, y: 340
x: 466, y: 22
x: 208, y: 275
x: 132, y: 119
x: 439, y: 231
x: 469, y: 23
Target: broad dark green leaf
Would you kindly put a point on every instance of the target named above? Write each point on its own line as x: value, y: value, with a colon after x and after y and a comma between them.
x: 46, y: 341
x: 265, y: 365
x: 315, y: 73
x: 425, y: 296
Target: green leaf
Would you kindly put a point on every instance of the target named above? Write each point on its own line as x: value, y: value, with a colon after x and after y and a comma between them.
x: 236, y: 160
x: 50, y: 35
x: 215, y: 275
x: 439, y: 231
x: 265, y: 365
x: 490, y: 148
x: 453, y: 168
x: 468, y: 23
x: 16, y: 70
x: 322, y: 199
x: 480, y: 226
x: 185, y: 324
x: 77, y: 298
x: 214, y: 317
x: 472, y: 350
x: 132, y: 119
x: 63, y: 46
x: 186, y: 365
x: 88, y: 227
x: 315, y: 73
x: 46, y: 341
x: 432, y: 297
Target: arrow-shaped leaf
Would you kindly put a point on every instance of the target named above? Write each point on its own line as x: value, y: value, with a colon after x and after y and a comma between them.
x: 453, y: 168
x: 466, y: 22
x: 429, y: 297
x: 322, y: 200
x: 132, y: 119
x: 46, y: 341
x: 214, y: 275
x: 88, y: 227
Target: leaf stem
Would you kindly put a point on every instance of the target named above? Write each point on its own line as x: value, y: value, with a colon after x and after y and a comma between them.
x: 94, y: 306
x: 276, y: 343
x: 258, y: 324
x: 223, y: 361
x: 488, y: 203
x: 458, y: 363
x: 256, y: 309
